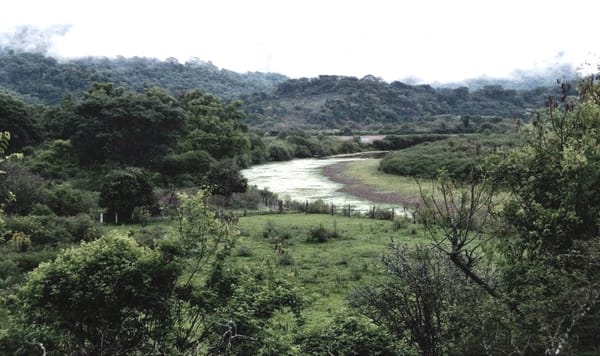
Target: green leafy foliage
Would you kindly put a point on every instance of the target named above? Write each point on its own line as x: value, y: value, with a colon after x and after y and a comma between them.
x: 225, y: 178
x: 54, y: 160
x: 117, y: 125
x: 124, y: 190
x: 555, y: 176
x: 280, y: 152
x: 107, y: 296
x: 65, y: 200
x: 534, y: 272
x: 19, y: 181
x: 398, y: 142
x: 349, y: 335
x: 44, y: 79
x: 335, y: 101
x: 20, y: 120
x: 188, y: 168
x: 459, y: 156
x: 213, y: 126
x: 52, y: 230
x: 550, y: 240
x: 321, y: 234
x: 247, y: 317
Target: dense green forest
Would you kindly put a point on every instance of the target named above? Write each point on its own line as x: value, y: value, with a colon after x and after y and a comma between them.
x: 336, y: 102
x: 274, y: 103
x: 501, y: 256
x: 43, y: 79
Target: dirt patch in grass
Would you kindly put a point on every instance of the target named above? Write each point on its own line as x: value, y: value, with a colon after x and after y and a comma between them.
x: 337, y: 173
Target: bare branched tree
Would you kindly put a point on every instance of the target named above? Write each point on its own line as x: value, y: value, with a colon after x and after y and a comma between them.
x: 454, y: 216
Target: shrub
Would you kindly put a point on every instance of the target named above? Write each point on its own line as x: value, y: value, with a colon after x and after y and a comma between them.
x: 51, y: 229
x: 315, y: 207
x: 19, y: 242
x: 244, y: 251
x: 28, y: 261
x: 285, y: 259
x: 348, y: 335
x: 383, y: 214
x: 275, y: 233
x: 64, y: 200
x: 320, y: 234
x: 41, y: 209
x: 55, y: 160
x: 147, y: 236
x: 140, y: 215
x: 19, y: 189
x: 280, y: 152
x: 400, y: 222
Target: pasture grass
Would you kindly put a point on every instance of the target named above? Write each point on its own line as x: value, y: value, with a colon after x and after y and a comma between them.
x: 326, y: 271
x: 366, y: 172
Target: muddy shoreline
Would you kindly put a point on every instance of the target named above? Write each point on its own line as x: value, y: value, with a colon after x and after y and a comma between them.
x: 337, y: 173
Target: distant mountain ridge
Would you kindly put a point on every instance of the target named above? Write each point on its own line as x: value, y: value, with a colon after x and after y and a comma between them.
x: 43, y: 79
x: 329, y: 102
x: 273, y: 102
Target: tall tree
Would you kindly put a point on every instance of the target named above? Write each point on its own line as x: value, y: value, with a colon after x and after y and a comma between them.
x: 18, y: 118
x: 536, y: 266
x: 213, y: 126
x: 550, y: 240
x: 121, y: 126
x: 124, y: 190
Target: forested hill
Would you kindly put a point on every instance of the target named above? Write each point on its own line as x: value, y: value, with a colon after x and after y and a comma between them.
x: 38, y: 78
x: 336, y: 101
x: 272, y: 101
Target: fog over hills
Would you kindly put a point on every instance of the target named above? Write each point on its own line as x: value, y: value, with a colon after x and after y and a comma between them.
x: 29, y: 69
x: 42, y: 40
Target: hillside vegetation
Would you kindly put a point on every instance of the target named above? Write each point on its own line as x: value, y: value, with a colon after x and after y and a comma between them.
x: 43, y: 79
x: 346, y: 102
x: 274, y: 103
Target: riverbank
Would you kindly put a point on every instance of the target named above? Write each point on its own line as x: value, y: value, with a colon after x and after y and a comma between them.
x: 389, y: 189
x: 366, y: 154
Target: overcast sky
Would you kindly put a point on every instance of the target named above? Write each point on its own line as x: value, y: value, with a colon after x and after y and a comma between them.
x: 434, y: 40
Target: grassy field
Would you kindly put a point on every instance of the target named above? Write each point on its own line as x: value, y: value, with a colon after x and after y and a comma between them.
x: 366, y: 172
x: 328, y: 271
x: 363, y: 179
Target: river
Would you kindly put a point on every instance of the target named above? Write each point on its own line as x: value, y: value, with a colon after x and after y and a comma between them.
x: 301, y: 179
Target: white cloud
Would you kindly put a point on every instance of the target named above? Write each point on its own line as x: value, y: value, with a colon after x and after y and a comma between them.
x: 432, y: 39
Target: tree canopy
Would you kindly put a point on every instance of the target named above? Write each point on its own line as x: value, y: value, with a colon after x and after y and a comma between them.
x: 114, y: 124
x: 110, y: 296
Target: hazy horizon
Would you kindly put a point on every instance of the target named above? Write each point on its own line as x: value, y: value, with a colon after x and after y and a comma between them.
x: 429, y: 41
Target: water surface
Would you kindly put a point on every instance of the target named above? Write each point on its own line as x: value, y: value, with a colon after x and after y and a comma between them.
x: 301, y: 180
